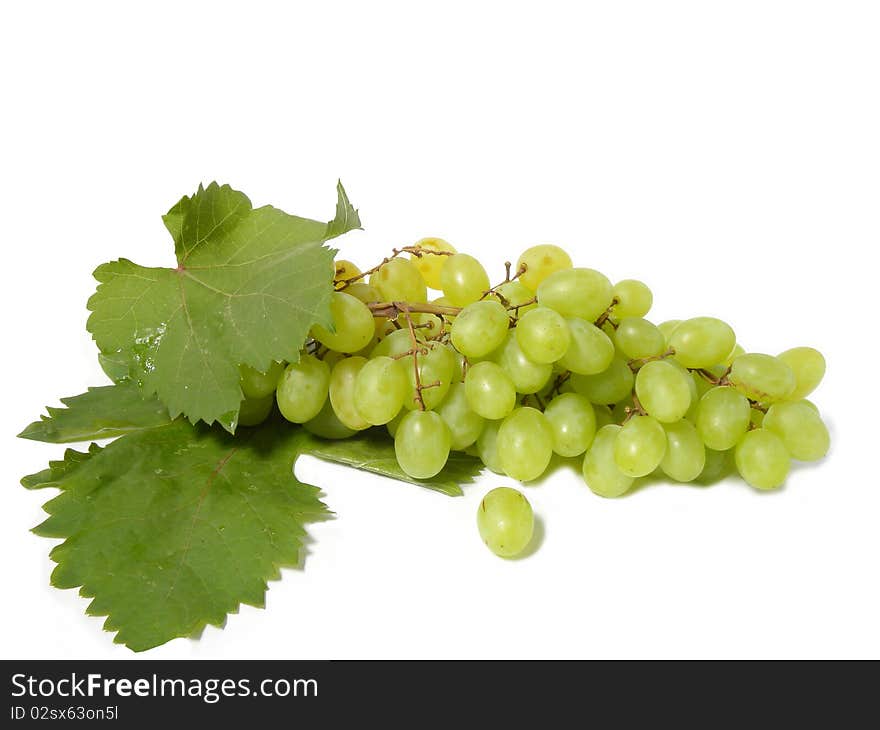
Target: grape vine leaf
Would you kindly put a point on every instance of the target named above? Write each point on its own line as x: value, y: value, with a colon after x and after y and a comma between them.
x: 171, y: 528
x: 248, y: 286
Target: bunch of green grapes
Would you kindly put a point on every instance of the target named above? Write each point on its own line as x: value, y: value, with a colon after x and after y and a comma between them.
x: 555, y: 360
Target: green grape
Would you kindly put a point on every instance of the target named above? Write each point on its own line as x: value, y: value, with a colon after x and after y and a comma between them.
x: 600, y: 469
x: 490, y: 391
x: 702, y: 342
x: 302, y: 388
x: 637, y: 338
x: 583, y: 293
x: 464, y: 425
x: 610, y: 386
x: 801, y: 429
x: 253, y: 411
x: 603, y: 415
x: 762, y: 459
x: 427, y: 324
x: 525, y: 444
x: 762, y: 378
x: 399, y: 280
x: 396, y: 343
x: 479, y: 328
x: 343, y: 270
x: 719, y: 465
x: 352, y: 321
x: 512, y: 294
x: 664, y: 390
x: 505, y: 522
x: 722, y: 417
x: 540, y: 261
x: 634, y: 299
x: 363, y: 292
x: 379, y: 389
x: 421, y: 444
x: 527, y: 376
x: 327, y: 425
x: 640, y: 446
x: 685, y: 456
x: 809, y: 403
x: 543, y: 335
x: 808, y: 366
x: 430, y: 266
x: 573, y: 422
x: 622, y: 409
x: 445, y: 302
x: 590, y: 350
x: 437, y: 366
x: 342, y: 382
x: 702, y: 385
x: 756, y: 418
x: 255, y: 384
x: 735, y: 353
x: 392, y: 425
x: 463, y: 279
x: 487, y: 446
x: 668, y: 327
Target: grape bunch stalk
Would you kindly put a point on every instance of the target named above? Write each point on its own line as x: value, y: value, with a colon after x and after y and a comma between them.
x: 552, y: 360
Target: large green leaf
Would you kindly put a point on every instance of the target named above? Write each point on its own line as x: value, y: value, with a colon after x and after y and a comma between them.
x: 170, y: 529
x: 248, y: 286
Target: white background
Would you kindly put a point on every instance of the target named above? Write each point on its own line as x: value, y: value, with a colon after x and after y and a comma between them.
x: 726, y: 153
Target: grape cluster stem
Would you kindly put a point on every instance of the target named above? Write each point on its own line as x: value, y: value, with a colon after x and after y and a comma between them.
x: 416, y: 251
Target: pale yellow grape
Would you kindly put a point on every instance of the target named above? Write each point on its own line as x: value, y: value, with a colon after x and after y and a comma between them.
x: 352, y: 322
x: 421, y: 444
x: 543, y: 335
x: 722, y: 417
x: 396, y: 343
x: 505, y: 522
x: 736, y: 352
x: 463, y: 279
x: 344, y: 270
x: 763, y: 378
x: 668, y: 327
x: 255, y: 384
x: 399, y: 280
x: 573, y: 422
x: 489, y: 390
x: 756, y: 418
x: 527, y: 376
x: 437, y: 366
x: 513, y: 293
x: 590, y: 350
x: 327, y: 425
x: 429, y: 265
x: 702, y: 342
x: 540, y: 261
x: 487, y: 446
x: 808, y: 366
x: 583, y: 293
x: 525, y: 444
x: 392, y: 425
x: 664, y: 391
x: 638, y: 338
x: 800, y: 428
x: 603, y: 415
x: 302, y: 388
x: 600, y: 470
x: 464, y: 425
x: 253, y: 411
x: 379, y: 389
x: 762, y: 459
x: 640, y: 446
x: 342, y: 382
x: 609, y: 386
x: 685, y: 456
x: 480, y: 328
x: 634, y: 299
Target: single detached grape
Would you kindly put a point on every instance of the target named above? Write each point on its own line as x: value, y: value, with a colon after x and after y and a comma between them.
x: 343, y: 270
x: 422, y: 444
x: 539, y: 262
x: 762, y: 459
x: 702, y: 342
x: 610, y: 386
x: 600, y: 469
x: 430, y: 265
x: 463, y: 279
x: 379, y: 390
x: 527, y: 376
x: 525, y: 444
x: 255, y: 384
x: 640, y: 446
x: 637, y: 338
x: 664, y: 390
x: 253, y: 411
x: 327, y: 425
x: 634, y: 299
x: 808, y: 366
x: 573, y: 422
x: 465, y: 426
x: 489, y: 390
x: 590, y: 350
x: 399, y: 280
x: 763, y: 378
x: 302, y: 389
x: 342, y: 383
x: 685, y: 456
x: 480, y: 328
x: 801, y: 429
x: 352, y: 323
x: 722, y: 418
x: 543, y: 335
x: 583, y: 293
x: 505, y: 521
